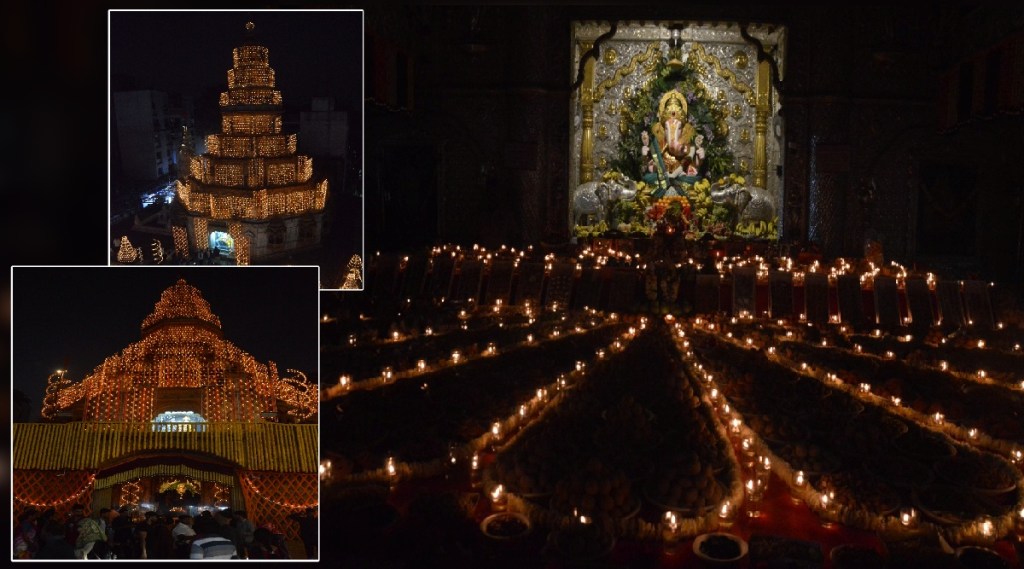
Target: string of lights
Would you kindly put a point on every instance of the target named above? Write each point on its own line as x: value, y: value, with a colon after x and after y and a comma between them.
x: 182, y: 347
x: 250, y: 482
x: 251, y: 169
x: 55, y: 503
x: 130, y: 494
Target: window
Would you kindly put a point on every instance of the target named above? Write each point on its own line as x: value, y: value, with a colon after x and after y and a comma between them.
x: 307, y: 229
x: 179, y: 422
x: 275, y: 233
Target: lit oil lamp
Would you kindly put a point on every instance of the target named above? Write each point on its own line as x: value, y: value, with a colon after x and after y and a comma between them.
x: 908, y: 517
x: 498, y: 498
x: 670, y: 532
x: 986, y: 528
x: 726, y: 514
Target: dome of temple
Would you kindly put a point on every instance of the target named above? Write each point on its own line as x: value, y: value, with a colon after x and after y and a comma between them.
x: 181, y: 302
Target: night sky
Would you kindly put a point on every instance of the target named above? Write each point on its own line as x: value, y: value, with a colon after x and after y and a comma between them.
x: 314, y: 53
x: 75, y: 317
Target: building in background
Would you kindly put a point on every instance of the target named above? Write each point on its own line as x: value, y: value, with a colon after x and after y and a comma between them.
x: 141, y: 133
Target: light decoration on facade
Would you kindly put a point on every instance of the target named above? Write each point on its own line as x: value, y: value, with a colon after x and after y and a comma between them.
x: 130, y: 493
x: 200, y: 228
x: 242, y: 251
x: 250, y: 481
x: 180, y: 241
x: 66, y: 500
x: 182, y: 346
x: 54, y: 385
x: 158, y: 251
x: 221, y: 496
x: 251, y: 169
x: 126, y: 253
x: 300, y: 394
x: 354, y: 275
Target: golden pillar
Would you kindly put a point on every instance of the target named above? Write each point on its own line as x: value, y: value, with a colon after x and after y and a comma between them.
x: 762, y: 111
x: 587, y: 112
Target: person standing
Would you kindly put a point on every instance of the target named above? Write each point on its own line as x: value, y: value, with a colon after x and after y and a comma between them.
x: 53, y: 543
x: 209, y: 543
x: 263, y: 546
x: 246, y: 531
x: 183, y: 534
x: 122, y: 539
x: 184, y: 527
x: 308, y: 523
x: 225, y: 520
x: 159, y: 542
x: 25, y: 535
x: 89, y: 535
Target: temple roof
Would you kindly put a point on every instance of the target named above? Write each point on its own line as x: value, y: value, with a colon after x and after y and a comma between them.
x: 180, y: 302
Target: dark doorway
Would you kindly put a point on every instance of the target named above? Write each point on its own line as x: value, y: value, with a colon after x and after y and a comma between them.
x: 401, y: 196
x: 947, y: 210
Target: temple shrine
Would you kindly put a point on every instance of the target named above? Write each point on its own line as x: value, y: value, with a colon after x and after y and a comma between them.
x: 251, y: 196
x: 181, y: 421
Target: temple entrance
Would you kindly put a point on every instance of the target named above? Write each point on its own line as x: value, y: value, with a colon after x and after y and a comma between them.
x: 169, y: 483
x: 188, y: 493
x: 223, y: 243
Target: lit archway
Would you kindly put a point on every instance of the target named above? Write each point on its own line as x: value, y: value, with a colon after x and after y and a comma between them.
x: 223, y: 242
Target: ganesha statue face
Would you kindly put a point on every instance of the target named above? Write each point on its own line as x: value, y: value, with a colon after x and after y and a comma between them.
x: 675, y: 159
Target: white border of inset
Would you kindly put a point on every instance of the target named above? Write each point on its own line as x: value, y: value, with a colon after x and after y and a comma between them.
x: 9, y: 457
x: 361, y: 110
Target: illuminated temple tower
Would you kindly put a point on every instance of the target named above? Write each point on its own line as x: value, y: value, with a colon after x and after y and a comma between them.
x: 251, y: 196
x: 182, y: 405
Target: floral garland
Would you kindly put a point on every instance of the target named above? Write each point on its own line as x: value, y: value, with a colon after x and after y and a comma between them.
x: 695, y: 216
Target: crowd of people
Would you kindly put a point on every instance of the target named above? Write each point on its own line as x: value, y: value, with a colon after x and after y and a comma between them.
x: 129, y: 534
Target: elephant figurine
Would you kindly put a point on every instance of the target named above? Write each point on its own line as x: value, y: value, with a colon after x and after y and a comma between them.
x: 588, y: 200
x: 733, y: 194
x: 760, y: 208
x: 752, y: 203
x: 594, y: 199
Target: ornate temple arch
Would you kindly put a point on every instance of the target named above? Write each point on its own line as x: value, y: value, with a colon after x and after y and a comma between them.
x: 732, y: 106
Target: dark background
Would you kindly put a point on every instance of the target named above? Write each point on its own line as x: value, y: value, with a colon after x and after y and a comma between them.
x: 190, y: 53
x: 467, y: 128
x: 75, y: 317
x: 894, y: 127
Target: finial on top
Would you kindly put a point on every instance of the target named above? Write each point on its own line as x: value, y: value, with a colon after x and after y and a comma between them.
x: 249, y: 26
